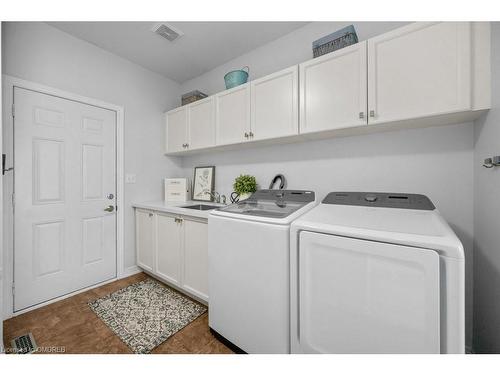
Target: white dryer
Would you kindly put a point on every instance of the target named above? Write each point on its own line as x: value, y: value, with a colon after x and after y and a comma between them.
x: 376, y: 273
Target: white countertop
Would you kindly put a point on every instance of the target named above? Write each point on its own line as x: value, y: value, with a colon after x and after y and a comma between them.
x: 177, y: 207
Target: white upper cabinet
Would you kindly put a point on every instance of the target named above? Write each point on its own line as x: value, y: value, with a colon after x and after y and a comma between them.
x: 176, y: 129
x: 422, y: 74
x: 232, y: 108
x: 274, y: 105
x: 420, y: 70
x: 201, y: 124
x: 333, y: 90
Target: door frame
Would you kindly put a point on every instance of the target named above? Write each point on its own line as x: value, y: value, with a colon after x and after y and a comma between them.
x: 8, y: 84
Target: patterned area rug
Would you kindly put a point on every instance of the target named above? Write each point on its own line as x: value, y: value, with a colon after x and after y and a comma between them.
x: 145, y: 314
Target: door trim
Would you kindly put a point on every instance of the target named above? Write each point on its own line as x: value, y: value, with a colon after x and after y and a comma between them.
x: 8, y: 84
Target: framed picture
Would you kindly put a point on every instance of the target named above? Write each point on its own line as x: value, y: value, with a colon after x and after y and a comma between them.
x: 203, y: 183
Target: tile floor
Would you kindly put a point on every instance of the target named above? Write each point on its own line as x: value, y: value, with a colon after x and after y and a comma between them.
x: 71, y: 324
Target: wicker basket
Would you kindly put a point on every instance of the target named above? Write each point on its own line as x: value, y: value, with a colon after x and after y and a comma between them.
x: 337, y: 40
x: 192, y: 97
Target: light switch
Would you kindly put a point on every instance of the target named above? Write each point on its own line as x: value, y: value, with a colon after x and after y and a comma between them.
x: 130, y: 178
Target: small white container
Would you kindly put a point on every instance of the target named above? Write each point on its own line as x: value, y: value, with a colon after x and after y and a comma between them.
x: 176, y: 189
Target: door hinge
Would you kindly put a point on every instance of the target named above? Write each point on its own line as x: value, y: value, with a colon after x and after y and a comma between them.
x: 13, y: 200
x: 13, y: 289
x: 13, y: 110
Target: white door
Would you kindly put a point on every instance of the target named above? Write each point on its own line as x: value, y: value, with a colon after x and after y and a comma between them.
x: 275, y: 105
x: 201, y: 124
x: 169, y: 248
x: 423, y: 69
x: 176, y: 129
x: 333, y: 90
x: 145, y: 238
x: 65, y: 178
x: 195, y: 277
x: 359, y: 296
x: 233, y: 115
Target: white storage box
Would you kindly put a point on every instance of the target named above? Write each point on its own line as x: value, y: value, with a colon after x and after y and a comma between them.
x: 176, y: 190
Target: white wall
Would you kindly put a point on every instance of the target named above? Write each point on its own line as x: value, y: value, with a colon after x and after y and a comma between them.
x: 437, y: 162
x: 293, y: 48
x: 40, y: 53
x: 487, y: 217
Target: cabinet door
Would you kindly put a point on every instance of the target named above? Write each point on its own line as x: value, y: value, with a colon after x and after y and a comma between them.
x: 201, y: 124
x: 176, y: 129
x: 169, y: 248
x: 145, y: 239
x: 232, y: 115
x: 195, y: 278
x: 333, y: 90
x: 274, y: 105
x: 419, y: 70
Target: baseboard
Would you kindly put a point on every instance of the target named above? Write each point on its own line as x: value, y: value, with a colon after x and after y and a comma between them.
x: 132, y: 270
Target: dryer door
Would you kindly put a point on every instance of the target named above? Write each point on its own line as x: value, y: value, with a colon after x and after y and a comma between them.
x: 358, y: 296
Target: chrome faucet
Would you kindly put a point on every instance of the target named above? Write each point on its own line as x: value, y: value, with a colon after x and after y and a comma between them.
x: 217, y: 197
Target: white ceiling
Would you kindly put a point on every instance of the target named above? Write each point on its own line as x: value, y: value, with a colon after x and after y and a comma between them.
x: 203, y: 46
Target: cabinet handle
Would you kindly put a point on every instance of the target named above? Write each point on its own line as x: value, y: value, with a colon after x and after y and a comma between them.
x: 372, y: 113
x: 246, y: 135
x: 361, y: 115
x: 150, y: 214
x: 250, y: 134
x: 187, y: 145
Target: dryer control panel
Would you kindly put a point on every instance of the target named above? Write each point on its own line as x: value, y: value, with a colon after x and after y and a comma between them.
x: 390, y: 200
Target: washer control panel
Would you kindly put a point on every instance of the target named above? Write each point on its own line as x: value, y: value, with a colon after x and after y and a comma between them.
x: 390, y: 200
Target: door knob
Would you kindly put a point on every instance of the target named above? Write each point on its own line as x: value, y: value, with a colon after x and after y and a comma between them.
x: 109, y: 208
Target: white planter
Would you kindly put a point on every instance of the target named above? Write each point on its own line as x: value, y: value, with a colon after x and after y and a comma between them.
x: 244, y: 196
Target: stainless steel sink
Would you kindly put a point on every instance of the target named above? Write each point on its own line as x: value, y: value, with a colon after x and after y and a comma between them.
x: 201, y: 207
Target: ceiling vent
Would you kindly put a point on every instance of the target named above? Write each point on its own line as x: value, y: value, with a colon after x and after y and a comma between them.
x: 167, y: 31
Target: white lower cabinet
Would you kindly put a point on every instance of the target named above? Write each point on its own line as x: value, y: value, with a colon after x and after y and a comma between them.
x: 169, y: 248
x: 195, y: 275
x: 145, y: 239
x: 175, y: 249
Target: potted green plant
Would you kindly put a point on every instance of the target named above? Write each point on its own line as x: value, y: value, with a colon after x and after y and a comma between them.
x: 245, y: 185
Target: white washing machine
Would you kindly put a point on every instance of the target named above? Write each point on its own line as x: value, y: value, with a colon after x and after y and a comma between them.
x: 376, y: 273
x: 249, y: 269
